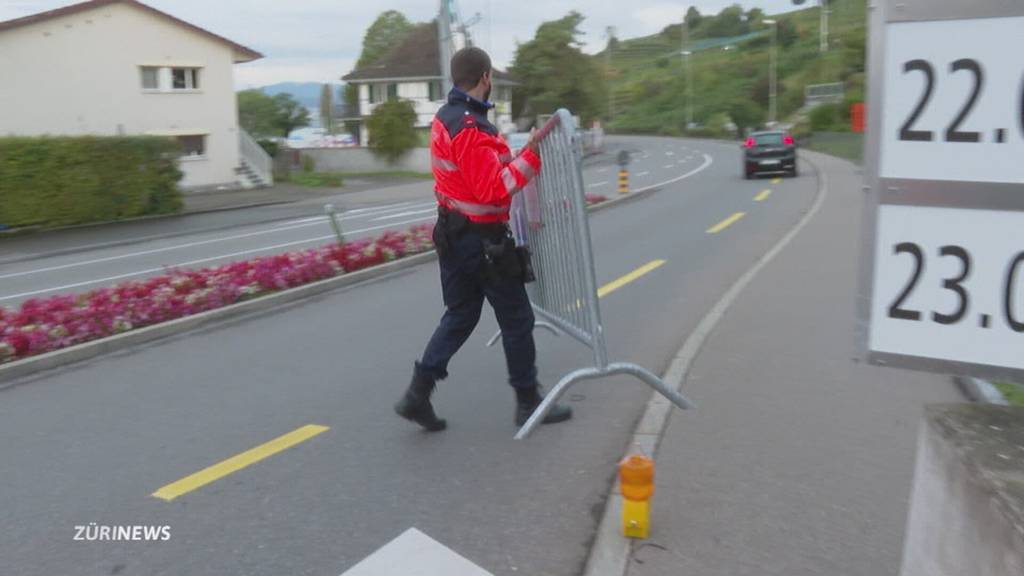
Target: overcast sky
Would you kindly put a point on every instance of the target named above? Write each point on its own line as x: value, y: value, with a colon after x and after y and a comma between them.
x: 320, y: 40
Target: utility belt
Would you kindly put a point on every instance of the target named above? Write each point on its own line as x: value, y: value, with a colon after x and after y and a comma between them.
x: 503, y: 260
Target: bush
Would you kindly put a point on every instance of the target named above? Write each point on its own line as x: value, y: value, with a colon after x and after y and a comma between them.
x: 392, y: 129
x: 270, y: 147
x: 830, y: 118
x: 60, y: 181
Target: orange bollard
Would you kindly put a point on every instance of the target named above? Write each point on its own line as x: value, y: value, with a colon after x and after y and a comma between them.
x: 623, y: 181
x: 636, y: 480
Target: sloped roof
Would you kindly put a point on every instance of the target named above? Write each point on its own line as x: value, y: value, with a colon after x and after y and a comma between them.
x: 242, y: 53
x: 417, y: 56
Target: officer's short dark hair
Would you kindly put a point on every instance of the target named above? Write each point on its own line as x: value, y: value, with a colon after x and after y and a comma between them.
x: 468, y: 66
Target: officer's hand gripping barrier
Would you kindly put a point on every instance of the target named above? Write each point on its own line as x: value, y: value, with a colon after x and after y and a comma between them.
x: 550, y: 217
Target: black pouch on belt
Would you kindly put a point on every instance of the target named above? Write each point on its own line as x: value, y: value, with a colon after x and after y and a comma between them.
x: 501, y: 259
x: 526, y: 263
x: 449, y: 228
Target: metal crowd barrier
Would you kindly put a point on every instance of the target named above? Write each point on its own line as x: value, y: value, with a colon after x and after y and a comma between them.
x: 550, y: 217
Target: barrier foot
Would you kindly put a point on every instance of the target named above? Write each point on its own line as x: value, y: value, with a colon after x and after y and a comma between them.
x: 613, y: 369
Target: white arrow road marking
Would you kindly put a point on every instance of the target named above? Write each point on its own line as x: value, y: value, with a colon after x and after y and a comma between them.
x: 596, y: 184
x: 415, y: 553
x: 404, y: 214
x: 644, y: 173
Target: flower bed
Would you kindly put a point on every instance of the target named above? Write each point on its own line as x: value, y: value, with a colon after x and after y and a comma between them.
x: 44, y: 325
x: 595, y: 199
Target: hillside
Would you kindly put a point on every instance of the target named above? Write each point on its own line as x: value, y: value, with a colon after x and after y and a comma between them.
x: 647, y: 75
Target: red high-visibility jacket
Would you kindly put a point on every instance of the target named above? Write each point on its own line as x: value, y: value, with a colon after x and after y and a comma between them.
x: 474, y: 171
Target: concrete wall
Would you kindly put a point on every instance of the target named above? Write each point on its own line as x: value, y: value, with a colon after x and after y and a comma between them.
x: 80, y: 74
x: 967, y: 506
x: 362, y: 160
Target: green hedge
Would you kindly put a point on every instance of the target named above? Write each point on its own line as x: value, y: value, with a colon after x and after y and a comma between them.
x: 60, y: 181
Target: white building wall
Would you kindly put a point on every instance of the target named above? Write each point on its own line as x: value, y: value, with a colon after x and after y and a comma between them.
x: 419, y: 94
x: 79, y: 74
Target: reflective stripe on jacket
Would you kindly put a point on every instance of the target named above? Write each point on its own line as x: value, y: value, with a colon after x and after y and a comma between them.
x: 474, y: 171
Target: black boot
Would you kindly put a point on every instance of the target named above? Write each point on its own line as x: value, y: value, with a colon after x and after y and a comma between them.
x: 527, y: 400
x: 415, y: 405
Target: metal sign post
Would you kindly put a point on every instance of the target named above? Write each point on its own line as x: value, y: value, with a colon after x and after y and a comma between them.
x: 943, y: 266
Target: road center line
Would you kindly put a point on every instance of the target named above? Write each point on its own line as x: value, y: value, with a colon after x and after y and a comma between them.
x: 210, y: 259
x: 237, y: 462
x: 762, y: 196
x: 596, y: 184
x: 669, y: 166
x: 776, y: 180
x: 644, y: 173
x: 726, y: 223
x: 635, y: 274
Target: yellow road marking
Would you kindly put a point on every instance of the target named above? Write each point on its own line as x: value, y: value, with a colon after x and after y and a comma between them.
x: 762, y: 196
x: 726, y: 223
x: 776, y: 180
x: 616, y: 284
x: 237, y: 462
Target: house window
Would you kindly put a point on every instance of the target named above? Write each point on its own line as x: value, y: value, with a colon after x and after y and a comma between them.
x: 392, y: 91
x: 185, y: 78
x: 376, y: 93
x: 193, y: 145
x: 435, y: 92
x: 150, y: 78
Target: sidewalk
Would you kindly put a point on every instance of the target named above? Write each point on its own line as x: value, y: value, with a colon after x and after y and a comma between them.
x: 799, y: 459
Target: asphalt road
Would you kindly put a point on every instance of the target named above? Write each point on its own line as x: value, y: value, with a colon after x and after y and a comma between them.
x: 94, y: 441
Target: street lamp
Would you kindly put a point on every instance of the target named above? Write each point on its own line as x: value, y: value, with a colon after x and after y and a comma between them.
x: 772, y: 72
x: 684, y: 51
x: 689, y: 89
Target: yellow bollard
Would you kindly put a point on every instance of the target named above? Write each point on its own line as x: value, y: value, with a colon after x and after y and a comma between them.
x: 636, y: 480
x: 623, y: 181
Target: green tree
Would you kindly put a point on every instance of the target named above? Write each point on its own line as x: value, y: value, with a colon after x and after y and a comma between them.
x: 754, y: 16
x: 327, y: 108
x: 787, y: 32
x: 289, y: 114
x: 392, y: 129
x: 729, y: 22
x: 257, y: 113
x: 266, y: 117
x: 693, y: 18
x: 387, y: 31
x: 555, y: 73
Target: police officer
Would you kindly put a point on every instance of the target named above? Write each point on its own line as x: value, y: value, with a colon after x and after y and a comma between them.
x: 475, y: 178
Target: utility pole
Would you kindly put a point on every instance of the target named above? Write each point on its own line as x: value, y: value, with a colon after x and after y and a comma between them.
x: 824, y: 26
x: 610, y: 32
x: 687, y: 54
x: 772, y: 71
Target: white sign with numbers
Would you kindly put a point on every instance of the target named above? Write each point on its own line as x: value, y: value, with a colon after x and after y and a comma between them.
x: 949, y: 284
x: 954, y: 100
x: 944, y: 274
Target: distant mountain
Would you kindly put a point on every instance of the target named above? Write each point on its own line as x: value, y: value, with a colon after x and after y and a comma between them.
x: 307, y: 93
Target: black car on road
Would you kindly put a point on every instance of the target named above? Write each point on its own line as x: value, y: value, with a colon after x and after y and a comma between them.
x: 770, y: 151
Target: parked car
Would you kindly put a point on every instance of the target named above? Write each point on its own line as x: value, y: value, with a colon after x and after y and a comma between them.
x: 769, y: 152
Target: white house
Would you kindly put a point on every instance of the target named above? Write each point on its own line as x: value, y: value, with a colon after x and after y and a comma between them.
x: 120, y: 67
x: 412, y: 71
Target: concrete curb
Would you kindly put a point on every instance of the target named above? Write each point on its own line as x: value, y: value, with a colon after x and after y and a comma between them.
x: 88, y: 350
x: 609, y: 555
x: 980, y: 391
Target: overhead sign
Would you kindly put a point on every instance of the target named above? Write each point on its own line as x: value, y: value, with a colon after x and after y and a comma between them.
x: 943, y: 274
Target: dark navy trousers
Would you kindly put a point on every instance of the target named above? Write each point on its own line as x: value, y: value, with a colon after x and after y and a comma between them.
x: 464, y: 288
